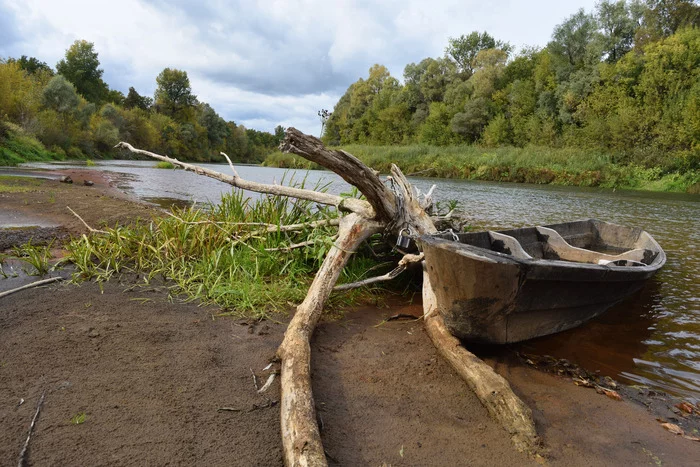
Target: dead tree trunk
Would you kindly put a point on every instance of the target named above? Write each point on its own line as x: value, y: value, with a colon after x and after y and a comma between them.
x: 300, y: 435
x: 392, y: 210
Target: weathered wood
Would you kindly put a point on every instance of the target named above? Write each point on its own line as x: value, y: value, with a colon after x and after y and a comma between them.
x: 351, y: 169
x: 301, y: 438
x: 344, y: 204
x: 410, y: 209
x: 29, y: 286
x: 493, y: 390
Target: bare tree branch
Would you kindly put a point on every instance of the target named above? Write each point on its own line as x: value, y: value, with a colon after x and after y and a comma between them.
x: 351, y: 169
x: 344, y: 204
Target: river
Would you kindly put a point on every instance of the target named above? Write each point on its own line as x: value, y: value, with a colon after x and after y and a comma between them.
x: 652, y: 339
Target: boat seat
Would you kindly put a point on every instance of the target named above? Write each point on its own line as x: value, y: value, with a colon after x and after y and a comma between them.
x: 502, y: 243
x: 557, y: 245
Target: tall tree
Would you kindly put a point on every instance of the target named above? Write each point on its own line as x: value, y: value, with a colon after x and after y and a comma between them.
x: 81, y: 67
x: 217, y: 129
x: 666, y: 17
x: 135, y: 100
x: 619, y: 22
x: 464, y: 49
x: 574, y: 39
x: 174, y: 93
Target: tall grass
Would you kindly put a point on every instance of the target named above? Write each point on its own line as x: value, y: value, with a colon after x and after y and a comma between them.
x: 532, y: 164
x: 16, y: 147
x: 221, y: 254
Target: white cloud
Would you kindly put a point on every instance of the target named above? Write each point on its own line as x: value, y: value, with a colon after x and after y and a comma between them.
x: 268, y: 62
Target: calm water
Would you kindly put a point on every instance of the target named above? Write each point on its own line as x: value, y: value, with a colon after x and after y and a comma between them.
x: 653, y: 339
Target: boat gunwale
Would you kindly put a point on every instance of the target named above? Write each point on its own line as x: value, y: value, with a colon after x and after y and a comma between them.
x: 483, y: 254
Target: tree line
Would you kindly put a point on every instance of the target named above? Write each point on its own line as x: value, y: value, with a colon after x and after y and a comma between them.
x: 624, y: 79
x: 74, y: 113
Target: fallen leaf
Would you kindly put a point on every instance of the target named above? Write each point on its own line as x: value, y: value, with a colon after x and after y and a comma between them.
x: 675, y: 429
x: 608, y: 392
x: 583, y: 382
x: 685, y: 407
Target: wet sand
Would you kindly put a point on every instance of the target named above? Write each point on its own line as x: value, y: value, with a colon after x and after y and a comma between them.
x: 149, y: 375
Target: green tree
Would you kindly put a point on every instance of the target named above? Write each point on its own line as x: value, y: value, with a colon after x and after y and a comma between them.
x: 81, y: 67
x: 60, y: 95
x: 619, y: 22
x: 438, y: 74
x: 216, y: 127
x: 32, y: 65
x: 575, y: 40
x: 135, y: 100
x: 664, y: 17
x: 173, y: 95
x: 464, y: 49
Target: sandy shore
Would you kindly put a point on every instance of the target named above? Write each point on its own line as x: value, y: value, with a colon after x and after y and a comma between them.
x: 147, y: 376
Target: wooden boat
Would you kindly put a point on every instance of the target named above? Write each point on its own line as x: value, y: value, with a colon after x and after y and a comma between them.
x: 513, y: 285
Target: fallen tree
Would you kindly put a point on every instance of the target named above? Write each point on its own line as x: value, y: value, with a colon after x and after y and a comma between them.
x: 394, y: 210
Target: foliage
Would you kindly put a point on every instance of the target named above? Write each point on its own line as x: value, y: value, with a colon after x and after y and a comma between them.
x: 73, y: 123
x: 135, y: 100
x: 37, y: 256
x: 223, y: 253
x: 621, y: 81
x: 464, y: 49
x: 81, y: 67
x: 60, y: 95
x: 174, y: 94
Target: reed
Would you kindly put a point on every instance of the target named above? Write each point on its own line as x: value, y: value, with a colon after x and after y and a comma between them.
x: 532, y: 164
x: 226, y: 254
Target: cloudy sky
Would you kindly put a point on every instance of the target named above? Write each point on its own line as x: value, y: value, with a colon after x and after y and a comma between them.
x: 266, y: 63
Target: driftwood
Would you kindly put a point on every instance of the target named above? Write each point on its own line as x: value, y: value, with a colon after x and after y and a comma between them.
x: 492, y: 389
x: 394, y: 209
x: 25, y: 446
x: 29, y: 286
x: 301, y: 438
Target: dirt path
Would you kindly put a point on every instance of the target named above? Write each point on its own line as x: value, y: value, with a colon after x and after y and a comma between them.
x: 149, y: 375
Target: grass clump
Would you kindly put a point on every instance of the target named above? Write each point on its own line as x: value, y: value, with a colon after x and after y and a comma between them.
x: 78, y: 419
x: 234, y: 254
x: 164, y: 165
x: 90, y: 163
x: 37, y: 256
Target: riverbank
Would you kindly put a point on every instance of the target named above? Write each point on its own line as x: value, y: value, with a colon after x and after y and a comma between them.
x: 149, y: 375
x: 539, y: 165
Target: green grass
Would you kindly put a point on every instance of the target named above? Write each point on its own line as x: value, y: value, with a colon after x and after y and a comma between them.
x: 164, y: 165
x: 12, y: 184
x: 78, y: 419
x: 37, y: 256
x: 220, y: 255
x: 89, y: 163
x: 17, y: 147
x: 533, y: 164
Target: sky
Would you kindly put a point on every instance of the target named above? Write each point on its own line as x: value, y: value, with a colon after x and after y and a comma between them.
x: 266, y: 63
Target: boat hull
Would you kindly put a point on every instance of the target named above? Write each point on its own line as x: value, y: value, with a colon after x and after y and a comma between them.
x: 490, y: 297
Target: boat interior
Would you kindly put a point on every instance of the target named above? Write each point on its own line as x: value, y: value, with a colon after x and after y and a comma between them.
x: 588, y: 241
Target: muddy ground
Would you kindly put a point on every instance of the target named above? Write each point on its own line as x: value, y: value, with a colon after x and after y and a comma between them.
x: 134, y: 378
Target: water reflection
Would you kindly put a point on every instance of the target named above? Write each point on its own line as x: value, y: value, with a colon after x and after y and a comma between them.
x: 651, y: 339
